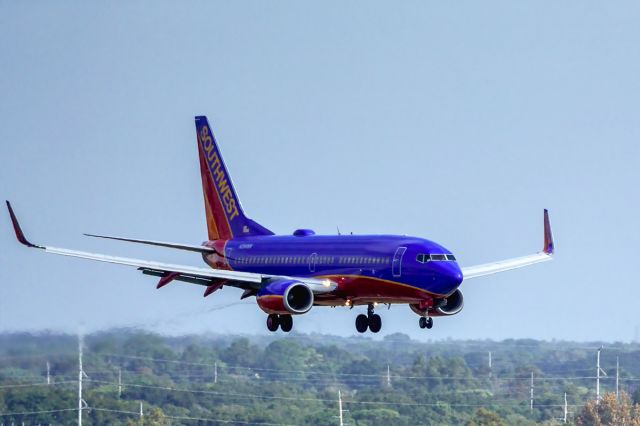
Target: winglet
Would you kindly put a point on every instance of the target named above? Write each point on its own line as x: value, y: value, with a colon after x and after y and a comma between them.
x: 16, y: 227
x: 548, y: 237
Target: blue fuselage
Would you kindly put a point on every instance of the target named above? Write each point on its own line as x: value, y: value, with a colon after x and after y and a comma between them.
x: 385, y: 268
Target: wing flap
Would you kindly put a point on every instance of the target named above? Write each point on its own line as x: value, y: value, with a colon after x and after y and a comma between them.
x: 146, y: 264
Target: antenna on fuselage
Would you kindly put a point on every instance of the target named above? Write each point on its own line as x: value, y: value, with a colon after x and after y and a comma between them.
x: 338, y: 228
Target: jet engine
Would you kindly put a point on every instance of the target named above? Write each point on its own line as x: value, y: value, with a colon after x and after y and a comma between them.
x: 285, y: 296
x: 442, y: 307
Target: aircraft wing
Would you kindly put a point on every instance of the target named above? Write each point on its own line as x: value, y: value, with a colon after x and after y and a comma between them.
x: 168, y: 272
x: 506, y: 265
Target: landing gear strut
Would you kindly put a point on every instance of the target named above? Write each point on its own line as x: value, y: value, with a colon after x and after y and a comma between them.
x: 285, y: 322
x: 371, y: 321
x: 426, y: 322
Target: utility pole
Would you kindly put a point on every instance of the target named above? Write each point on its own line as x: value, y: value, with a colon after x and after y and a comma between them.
x: 598, y: 371
x: 119, y: 382
x: 340, y: 408
x: 617, y: 378
x: 141, y: 412
x: 48, y: 373
x: 490, y: 364
x: 215, y: 372
x: 388, y: 376
x: 565, y: 408
x: 531, y: 400
x: 80, y: 374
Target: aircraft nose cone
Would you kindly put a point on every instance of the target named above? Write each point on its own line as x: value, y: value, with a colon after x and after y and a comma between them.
x: 456, y: 276
x: 451, y: 274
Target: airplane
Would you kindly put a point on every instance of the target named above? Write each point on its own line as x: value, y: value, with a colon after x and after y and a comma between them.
x: 290, y: 274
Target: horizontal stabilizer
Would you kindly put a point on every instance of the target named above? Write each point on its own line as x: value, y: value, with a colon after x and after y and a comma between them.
x: 188, y: 247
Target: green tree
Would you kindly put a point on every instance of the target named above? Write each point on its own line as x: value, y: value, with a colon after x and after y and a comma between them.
x: 484, y: 417
x: 377, y: 417
x: 241, y: 352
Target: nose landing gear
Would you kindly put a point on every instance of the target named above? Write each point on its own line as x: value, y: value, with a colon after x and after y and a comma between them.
x: 371, y: 321
x: 285, y: 322
x: 425, y: 322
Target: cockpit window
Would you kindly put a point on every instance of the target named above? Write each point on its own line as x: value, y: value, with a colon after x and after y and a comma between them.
x: 425, y: 257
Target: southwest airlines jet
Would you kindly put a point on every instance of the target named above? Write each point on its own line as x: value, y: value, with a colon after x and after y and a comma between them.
x: 290, y: 274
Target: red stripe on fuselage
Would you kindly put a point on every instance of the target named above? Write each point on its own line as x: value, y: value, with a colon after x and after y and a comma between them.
x: 215, y: 208
x: 217, y: 260
x: 363, y: 289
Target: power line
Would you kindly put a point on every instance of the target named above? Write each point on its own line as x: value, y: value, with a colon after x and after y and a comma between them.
x: 373, y: 376
x: 288, y: 398
x: 28, y: 413
x: 202, y: 419
x: 28, y: 385
x: 311, y: 372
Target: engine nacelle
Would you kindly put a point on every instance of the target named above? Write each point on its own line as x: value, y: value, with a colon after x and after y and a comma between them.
x: 285, y: 296
x: 442, y: 307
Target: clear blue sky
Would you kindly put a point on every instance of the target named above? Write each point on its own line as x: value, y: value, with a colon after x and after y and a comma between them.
x: 456, y: 122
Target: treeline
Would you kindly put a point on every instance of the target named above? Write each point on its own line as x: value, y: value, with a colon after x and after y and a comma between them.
x: 141, y: 378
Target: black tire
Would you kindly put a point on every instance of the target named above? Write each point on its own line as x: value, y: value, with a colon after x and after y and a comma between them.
x: 375, y: 323
x: 422, y: 322
x: 429, y: 323
x: 286, y: 323
x: 273, y: 322
x: 362, y: 323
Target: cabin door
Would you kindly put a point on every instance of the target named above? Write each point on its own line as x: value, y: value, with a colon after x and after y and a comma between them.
x: 396, y: 265
x: 313, y: 259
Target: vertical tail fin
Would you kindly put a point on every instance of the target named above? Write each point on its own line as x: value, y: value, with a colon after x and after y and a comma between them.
x: 225, y: 218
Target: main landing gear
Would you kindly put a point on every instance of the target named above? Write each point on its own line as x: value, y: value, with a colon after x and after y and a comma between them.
x: 371, y: 321
x: 285, y: 322
x: 425, y: 322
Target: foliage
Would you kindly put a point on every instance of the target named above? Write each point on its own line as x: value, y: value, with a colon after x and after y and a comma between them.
x: 484, y: 417
x: 610, y: 411
x: 294, y: 379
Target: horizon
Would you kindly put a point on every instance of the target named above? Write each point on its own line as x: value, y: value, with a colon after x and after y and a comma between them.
x: 293, y: 335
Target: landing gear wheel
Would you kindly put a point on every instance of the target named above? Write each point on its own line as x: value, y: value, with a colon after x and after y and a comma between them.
x: 286, y: 323
x: 429, y: 323
x: 273, y: 322
x: 362, y: 323
x: 422, y: 322
x: 375, y: 323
